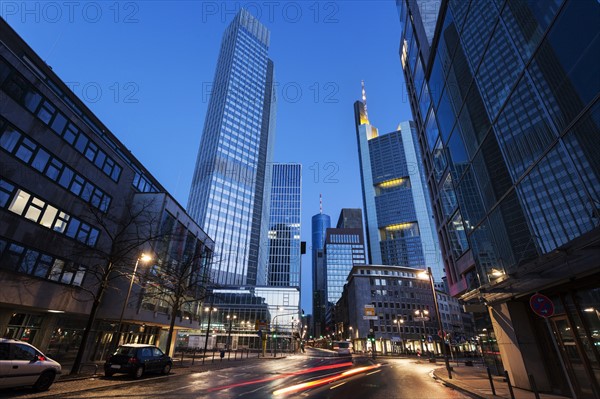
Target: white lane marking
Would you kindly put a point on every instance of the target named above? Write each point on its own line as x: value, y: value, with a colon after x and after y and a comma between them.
x: 339, y: 385
x: 373, y: 372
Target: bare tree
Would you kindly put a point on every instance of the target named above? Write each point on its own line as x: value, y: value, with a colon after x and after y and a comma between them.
x: 180, y: 279
x: 124, y: 232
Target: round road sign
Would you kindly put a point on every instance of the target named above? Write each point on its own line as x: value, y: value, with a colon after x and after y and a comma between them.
x: 541, y: 305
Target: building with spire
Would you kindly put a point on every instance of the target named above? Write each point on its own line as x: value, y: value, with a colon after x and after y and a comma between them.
x: 399, y: 219
x: 230, y: 189
x: 320, y: 223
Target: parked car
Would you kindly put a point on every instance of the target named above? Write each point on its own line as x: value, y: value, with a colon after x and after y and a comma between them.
x: 22, y: 364
x: 137, y: 359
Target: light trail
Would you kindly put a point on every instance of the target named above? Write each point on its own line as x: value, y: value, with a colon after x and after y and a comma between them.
x: 300, y: 372
x: 323, y: 381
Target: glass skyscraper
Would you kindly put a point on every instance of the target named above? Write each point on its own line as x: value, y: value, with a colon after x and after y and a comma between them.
x: 344, y: 247
x: 229, y: 186
x: 400, y: 228
x: 505, y: 96
x: 284, y: 225
x: 320, y: 223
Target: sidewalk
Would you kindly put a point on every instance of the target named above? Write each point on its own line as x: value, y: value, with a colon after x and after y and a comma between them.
x: 474, y: 380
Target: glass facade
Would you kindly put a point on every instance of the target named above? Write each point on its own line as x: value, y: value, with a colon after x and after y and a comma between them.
x: 506, y: 103
x: 320, y: 223
x: 284, y: 226
x: 509, y: 133
x: 400, y: 230
x: 228, y: 187
x: 343, y: 249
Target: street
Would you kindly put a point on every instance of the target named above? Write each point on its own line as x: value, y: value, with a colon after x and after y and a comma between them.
x: 313, y: 375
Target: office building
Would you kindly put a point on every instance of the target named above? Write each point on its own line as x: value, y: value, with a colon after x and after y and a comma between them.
x: 344, y: 247
x: 71, y: 198
x: 230, y: 186
x: 400, y: 227
x: 320, y: 223
x: 284, y: 226
x: 505, y: 98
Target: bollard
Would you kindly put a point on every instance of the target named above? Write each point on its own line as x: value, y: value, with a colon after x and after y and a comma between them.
x: 512, y: 394
x: 193, y: 356
x: 491, y: 381
x: 213, y: 357
x: 247, y: 353
x: 533, y: 386
x: 182, y: 356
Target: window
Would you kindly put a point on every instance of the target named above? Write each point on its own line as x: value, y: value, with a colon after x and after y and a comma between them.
x: 23, y: 352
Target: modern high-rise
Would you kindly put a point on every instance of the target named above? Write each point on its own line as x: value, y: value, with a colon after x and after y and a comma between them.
x: 320, y: 223
x: 284, y: 225
x: 400, y: 228
x: 505, y: 97
x: 229, y: 188
x: 344, y: 247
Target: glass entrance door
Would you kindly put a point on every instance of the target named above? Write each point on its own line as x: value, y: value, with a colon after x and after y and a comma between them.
x: 573, y: 357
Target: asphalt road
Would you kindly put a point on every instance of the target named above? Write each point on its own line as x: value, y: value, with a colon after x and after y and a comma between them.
x: 311, y: 375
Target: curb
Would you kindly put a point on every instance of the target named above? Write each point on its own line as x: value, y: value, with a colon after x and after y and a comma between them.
x: 457, y: 387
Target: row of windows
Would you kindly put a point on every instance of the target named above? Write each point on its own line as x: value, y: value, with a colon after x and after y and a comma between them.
x: 345, y: 238
x: 39, y: 211
x: 17, y: 87
x: 30, y: 152
x: 387, y: 273
x: 29, y: 261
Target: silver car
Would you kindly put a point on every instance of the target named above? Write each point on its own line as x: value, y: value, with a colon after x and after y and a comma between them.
x: 22, y: 364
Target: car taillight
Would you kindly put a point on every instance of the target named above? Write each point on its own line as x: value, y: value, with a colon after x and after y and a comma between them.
x: 133, y: 360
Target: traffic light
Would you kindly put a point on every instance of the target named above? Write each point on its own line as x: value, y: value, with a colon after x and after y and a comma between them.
x: 371, y: 337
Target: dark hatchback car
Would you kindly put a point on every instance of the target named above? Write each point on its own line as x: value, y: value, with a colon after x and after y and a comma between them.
x: 137, y: 359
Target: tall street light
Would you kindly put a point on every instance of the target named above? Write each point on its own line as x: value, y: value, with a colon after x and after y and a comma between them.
x: 144, y: 258
x: 422, y: 315
x: 400, y: 323
x: 428, y: 275
x: 209, y: 310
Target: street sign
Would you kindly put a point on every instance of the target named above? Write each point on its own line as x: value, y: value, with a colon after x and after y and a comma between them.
x: 541, y: 305
x: 429, y: 338
x: 369, y: 313
x: 417, y: 318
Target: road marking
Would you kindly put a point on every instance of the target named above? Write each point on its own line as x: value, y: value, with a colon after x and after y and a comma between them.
x: 339, y: 385
x: 373, y: 372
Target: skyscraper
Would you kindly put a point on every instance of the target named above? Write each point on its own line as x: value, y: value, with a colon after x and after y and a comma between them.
x: 284, y: 225
x: 229, y: 186
x: 320, y: 223
x: 505, y: 96
x: 400, y: 228
x: 344, y: 247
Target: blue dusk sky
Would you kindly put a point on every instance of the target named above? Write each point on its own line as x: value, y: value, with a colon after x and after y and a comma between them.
x: 145, y: 69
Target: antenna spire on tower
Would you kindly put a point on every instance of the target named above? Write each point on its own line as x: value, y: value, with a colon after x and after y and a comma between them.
x: 364, y: 98
x: 321, y: 203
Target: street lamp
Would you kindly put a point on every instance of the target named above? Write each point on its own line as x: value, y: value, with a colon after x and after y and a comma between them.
x: 350, y: 332
x: 423, y: 316
x: 231, y: 319
x: 144, y: 258
x: 209, y: 310
x: 401, y: 322
x: 427, y: 275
